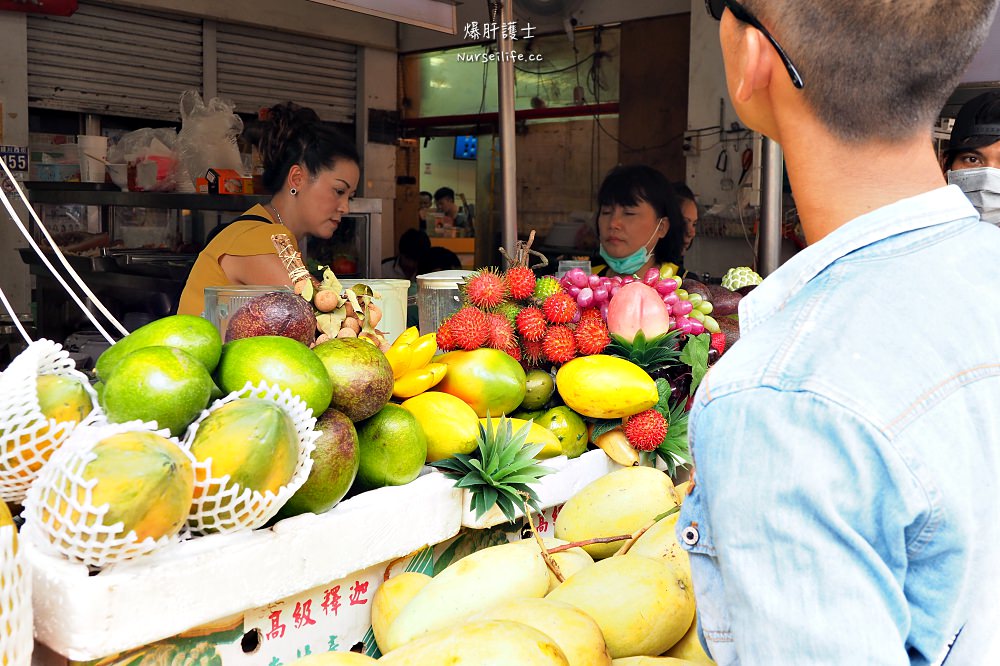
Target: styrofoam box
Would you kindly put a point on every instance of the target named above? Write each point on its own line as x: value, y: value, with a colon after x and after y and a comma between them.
x: 201, y: 580
x: 569, y: 478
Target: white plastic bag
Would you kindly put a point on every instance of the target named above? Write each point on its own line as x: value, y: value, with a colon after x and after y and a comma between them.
x: 207, y: 139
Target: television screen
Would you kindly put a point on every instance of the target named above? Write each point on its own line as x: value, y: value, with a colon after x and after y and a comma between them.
x: 465, y: 147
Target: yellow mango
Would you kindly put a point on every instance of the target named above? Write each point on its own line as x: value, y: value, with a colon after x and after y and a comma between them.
x: 483, y: 643
x: 605, y: 387
x: 391, y: 597
x: 689, y: 648
x: 479, y: 580
x: 643, y: 606
x: 660, y: 541
x: 551, y: 446
x: 450, y: 424
x: 618, y: 503
x: 575, y: 632
x: 569, y: 561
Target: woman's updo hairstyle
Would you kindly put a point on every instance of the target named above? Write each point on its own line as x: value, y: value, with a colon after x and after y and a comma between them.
x: 292, y: 135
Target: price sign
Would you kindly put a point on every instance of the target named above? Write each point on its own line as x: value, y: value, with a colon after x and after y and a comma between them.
x: 16, y: 157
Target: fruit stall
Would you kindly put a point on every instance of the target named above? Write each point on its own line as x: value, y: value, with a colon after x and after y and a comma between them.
x: 303, y: 485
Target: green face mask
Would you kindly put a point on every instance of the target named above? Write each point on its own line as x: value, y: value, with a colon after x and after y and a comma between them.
x: 632, y: 263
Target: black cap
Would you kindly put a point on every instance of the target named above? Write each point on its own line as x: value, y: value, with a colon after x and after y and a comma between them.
x: 977, y: 124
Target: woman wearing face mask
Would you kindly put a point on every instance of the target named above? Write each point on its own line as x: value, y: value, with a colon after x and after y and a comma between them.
x: 313, y: 171
x: 639, y: 221
x: 972, y: 160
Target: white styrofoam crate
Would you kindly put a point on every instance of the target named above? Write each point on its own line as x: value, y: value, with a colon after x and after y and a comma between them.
x: 201, y: 580
x: 568, y: 479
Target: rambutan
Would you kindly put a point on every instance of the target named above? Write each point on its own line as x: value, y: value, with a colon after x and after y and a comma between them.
x: 445, y: 339
x: 514, y: 351
x: 545, y: 287
x: 591, y: 314
x: 485, y: 289
x: 510, y: 310
x: 646, y: 430
x: 533, y: 351
x: 501, y: 333
x: 591, y: 336
x: 531, y: 324
x: 520, y: 282
x: 469, y: 328
x: 558, y: 345
x: 560, y: 308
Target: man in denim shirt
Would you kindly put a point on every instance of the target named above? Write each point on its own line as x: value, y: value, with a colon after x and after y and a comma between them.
x: 846, y: 498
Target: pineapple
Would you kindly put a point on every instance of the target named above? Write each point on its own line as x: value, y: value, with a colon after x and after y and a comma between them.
x: 501, y: 471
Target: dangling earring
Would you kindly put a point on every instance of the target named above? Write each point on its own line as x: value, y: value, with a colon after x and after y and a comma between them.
x: 293, y: 191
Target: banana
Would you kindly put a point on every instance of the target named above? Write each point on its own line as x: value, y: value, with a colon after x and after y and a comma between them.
x: 408, y: 336
x: 400, y: 357
x: 615, y: 444
x: 423, y: 349
x: 419, y: 380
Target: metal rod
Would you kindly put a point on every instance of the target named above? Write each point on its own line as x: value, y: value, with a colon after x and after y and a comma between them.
x: 505, y: 105
x: 769, y: 236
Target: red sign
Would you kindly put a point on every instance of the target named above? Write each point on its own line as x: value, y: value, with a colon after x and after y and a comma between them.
x: 53, y: 7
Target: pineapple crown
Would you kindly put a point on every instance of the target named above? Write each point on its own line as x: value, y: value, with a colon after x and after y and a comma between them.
x: 501, y: 471
x: 651, y: 355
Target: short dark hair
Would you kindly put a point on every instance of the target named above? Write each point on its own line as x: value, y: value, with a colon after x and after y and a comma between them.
x: 423, y: 192
x: 628, y: 185
x: 440, y: 259
x: 684, y: 192
x: 877, y: 70
x: 977, y: 125
x: 443, y: 192
x: 295, y: 135
x: 414, y: 244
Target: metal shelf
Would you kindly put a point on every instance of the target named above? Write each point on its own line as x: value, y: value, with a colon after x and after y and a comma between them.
x: 227, y: 202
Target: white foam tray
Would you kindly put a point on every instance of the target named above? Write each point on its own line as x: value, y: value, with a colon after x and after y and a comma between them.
x: 569, y: 478
x: 201, y: 580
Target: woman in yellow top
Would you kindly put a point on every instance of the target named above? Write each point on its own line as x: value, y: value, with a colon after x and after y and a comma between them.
x: 313, y: 171
x: 639, y: 221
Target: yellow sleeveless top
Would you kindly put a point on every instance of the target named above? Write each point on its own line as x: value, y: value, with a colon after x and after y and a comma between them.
x: 244, y: 238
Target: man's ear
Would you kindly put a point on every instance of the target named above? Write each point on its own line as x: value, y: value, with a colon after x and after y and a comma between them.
x: 755, y: 64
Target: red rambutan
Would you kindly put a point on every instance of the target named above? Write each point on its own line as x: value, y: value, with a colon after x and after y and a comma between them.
x: 531, y: 324
x: 501, y: 334
x: 646, y: 430
x: 485, y: 289
x: 558, y: 345
x: 560, y: 308
x: 520, y: 282
x: 469, y: 328
x: 591, y: 336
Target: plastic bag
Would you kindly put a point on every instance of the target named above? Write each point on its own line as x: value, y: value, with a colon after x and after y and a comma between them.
x: 207, y: 139
x: 150, y: 154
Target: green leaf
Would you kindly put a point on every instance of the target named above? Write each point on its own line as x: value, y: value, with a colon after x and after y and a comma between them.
x: 675, y: 444
x: 507, y: 508
x: 695, y: 354
x: 602, y: 426
x: 663, y: 390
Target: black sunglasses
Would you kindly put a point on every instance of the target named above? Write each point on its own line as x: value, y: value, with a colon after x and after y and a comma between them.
x: 715, y: 9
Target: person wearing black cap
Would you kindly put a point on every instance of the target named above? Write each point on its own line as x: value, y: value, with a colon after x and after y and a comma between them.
x: 972, y: 160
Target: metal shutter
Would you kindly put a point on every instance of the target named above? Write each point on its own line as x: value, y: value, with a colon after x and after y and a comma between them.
x: 259, y: 68
x: 122, y: 62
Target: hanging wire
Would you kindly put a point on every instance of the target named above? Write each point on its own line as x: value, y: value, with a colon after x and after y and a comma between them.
x: 55, y: 248
x: 13, y: 316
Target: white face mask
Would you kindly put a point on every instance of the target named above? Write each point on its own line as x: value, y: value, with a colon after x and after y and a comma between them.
x: 982, y: 186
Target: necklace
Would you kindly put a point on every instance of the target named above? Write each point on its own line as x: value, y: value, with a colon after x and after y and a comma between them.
x: 277, y: 214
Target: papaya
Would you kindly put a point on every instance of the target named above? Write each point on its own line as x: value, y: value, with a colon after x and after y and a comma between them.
x: 63, y: 398
x: 489, y: 380
x: 252, y: 441
x: 145, y: 479
x: 195, y: 335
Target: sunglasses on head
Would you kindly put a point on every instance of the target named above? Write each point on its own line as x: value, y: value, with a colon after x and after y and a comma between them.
x: 740, y: 13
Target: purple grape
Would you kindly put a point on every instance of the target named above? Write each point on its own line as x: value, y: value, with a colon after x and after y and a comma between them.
x: 614, y: 290
x: 671, y: 299
x: 601, y: 294
x: 593, y: 280
x: 577, y: 277
x: 604, y: 311
x: 697, y: 328
x: 652, y: 276
x: 683, y: 307
x: 576, y: 317
x: 585, y: 298
x: 666, y: 286
x: 573, y: 290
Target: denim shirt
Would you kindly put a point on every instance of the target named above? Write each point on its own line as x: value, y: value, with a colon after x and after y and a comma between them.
x: 846, y: 506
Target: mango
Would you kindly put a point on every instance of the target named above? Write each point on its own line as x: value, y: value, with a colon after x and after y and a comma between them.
x: 575, y: 632
x: 569, y: 561
x: 390, y: 599
x: 483, y: 643
x: 334, y: 659
x: 488, y: 380
x: 643, y: 606
x: 660, y: 541
x: 551, y: 446
x: 479, y: 580
x: 451, y: 425
x: 195, y: 335
x: 618, y: 503
x: 335, y: 465
x: 689, y: 648
x: 605, y: 387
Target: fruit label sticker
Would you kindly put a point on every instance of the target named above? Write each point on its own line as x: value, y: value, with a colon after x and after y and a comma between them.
x: 332, y: 617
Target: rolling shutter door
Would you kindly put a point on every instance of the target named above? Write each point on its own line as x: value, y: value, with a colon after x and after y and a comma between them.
x: 106, y: 60
x: 259, y: 68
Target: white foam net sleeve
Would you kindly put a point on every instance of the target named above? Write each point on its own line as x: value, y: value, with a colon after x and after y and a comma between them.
x: 221, y: 506
x: 59, y: 511
x: 27, y: 438
x: 16, y: 629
